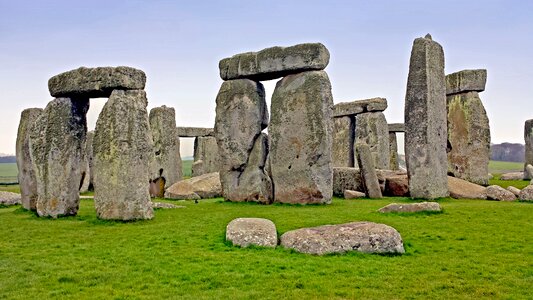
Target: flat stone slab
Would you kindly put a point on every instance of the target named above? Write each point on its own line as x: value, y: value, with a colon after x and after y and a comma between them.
x: 462, y: 189
x: 275, y: 62
x: 9, y: 199
x: 366, y: 237
x: 96, y: 82
x: 194, y: 131
x: 512, y: 176
x: 199, y: 187
x: 466, y: 81
x: 252, y: 231
x: 396, y: 127
x: 411, y: 207
x: 359, y: 106
x: 163, y: 205
x: 349, y: 194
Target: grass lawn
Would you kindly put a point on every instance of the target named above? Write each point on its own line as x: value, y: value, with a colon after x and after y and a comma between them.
x: 475, y: 249
x: 8, y: 172
x: 186, y: 167
x: 500, y: 167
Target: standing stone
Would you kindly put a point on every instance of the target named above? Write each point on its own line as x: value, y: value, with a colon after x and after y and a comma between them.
x: 371, y: 128
x: 343, y: 139
x: 206, y: 158
x: 87, y: 183
x: 166, y: 145
x: 425, y: 121
x: 241, y: 115
x: 56, y: 147
x: 123, y: 156
x: 26, y: 174
x: 468, y: 138
x: 300, y: 131
x: 528, y: 137
x: 394, y: 163
x: 368, y: 171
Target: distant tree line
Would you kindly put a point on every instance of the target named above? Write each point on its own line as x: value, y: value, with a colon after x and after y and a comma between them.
x: 7, y: 159
x: 507, y: 152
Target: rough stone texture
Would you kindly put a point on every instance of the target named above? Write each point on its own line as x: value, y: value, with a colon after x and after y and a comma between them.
x: 275, y: 62
x: 411, y: 207
x: 512, y: 176
x: 425, y: 121
x: 466, y: 81
x: 462, y: 189
x: 468, y: 138
x: 123, y: 157
x: 166, y: 145
x: 301, y: 128
x: 496, y: 192
x: 359, y: 106
x: 252, y: 231
x: 514, y: 190
x: 56, y: 146
x: 351, y: 179
x: 206, y: 151
x: 349, y: 194
x: 526, y: 194
x: 368, y: 171
x: 528, y: 172
x: 394, y: 163
x: 26, y: 174
x: 96, y: 82
x: 241, y: 115
x: 364, y: 237
x: 194, y: 131
x: 343, y: 141
x: 9, y: 199
x: 87, y: 177
x: 200, y: 187
x: 528, y: 138
x: 397, y: 186
x: 372, y: 129
x: 163, y: 205
x: 396, y: 127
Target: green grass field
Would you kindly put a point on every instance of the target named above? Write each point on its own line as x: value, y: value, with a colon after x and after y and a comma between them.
x: 186, y: 167
x: 499, y: 167
x: 475, y: 249
x: 8, y: 172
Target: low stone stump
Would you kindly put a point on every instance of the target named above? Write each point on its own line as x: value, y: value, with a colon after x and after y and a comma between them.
x: 366, y: 237
x: 411, y: 207
x: 397, y: 186
x: 9, y: 199
x: 496, y: 192
x: 163, y: 205
x: 252, y: 231
x: 526, y: 194
x: 349, y: 194
x: 203, y: 186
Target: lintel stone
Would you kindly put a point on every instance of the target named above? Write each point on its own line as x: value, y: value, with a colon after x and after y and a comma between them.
x: 466, y: 81
x: 359, y: 106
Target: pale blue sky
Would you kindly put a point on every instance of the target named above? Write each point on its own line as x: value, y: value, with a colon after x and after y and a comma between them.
x: 179, y: 43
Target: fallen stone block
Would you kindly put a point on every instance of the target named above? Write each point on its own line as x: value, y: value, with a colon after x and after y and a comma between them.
x: 252, y: 231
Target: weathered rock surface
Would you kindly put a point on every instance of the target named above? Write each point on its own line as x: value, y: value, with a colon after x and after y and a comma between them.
x: 349, y: 194
x: 462, y: 189
x: 200, y: 187
x: 368, y: 171
x: 468, y: 138
x: 163, y: 205
x: 396, y: 127
x: 275, y: 62
x: 397, y: 186
x: 411, y: 207
x: 528, y: 138
x: 364, y: 237
x: 394, y: 162
x: 526, y: 194
x: 241, y: 115
x: 194, y: 131
x: 514, y: 190
x: 9, y: 199
x: 343, y: 141
x: 96, y: 82
x: 56, y: 146
x: 351, y: 179
x: 26, y: 174
x: 496, y: 192
x: 87, y: 176
x: 425, y: 121
x: 466, y: 81
x: 167, y: 161
x: 206, y: 151
x: 528, y: 172
x: 372, y: 129
x: 252, y: 231
x: 123, y: 152
x: 512, y: 176
x: 300, y: 130
x: 359, y: 106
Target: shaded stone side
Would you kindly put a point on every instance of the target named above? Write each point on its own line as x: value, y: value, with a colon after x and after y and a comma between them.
x: 528, y: 138
x: 26, y: 174
x: 425, y: 121
x: 300, y: 130
x: 468, y: 138
x: 57, y: 139
x: 206, y: 158
x: 394, y: 163
x: 167, y: 161
x: 343, y: 140
x: 368, y: 170
x: 241, y: 115
x: 372, y: 129
x: 87, y: 177
x: 123, y: 155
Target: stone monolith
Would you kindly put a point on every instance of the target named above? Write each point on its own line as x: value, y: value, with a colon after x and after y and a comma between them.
x: 343, y: 140
x: 371, y: 128
x: 528, y: 138
x: 206, y: 158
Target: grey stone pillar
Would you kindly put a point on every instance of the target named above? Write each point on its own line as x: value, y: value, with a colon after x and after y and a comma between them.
x: 528, y: 138
x: 343, y: 141
x: 206, y: 158
x: 371, y: 128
